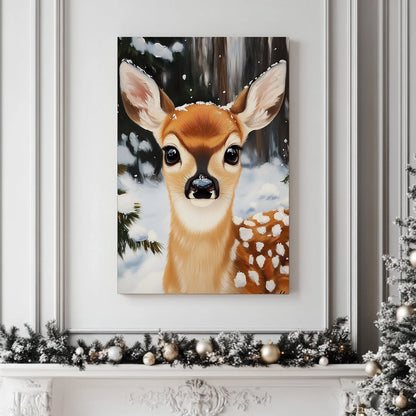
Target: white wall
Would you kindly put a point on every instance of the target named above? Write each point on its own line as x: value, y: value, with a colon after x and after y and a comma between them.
x: 39, y: 234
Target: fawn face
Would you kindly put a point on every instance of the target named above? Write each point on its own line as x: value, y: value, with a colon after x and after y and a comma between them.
x: 201, y: 142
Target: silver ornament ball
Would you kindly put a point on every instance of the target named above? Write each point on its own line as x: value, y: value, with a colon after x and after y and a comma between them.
x: 412, y: 258
x: 79, y: 351
x: 170, y: 352
x: 371, y: 368
x: 323, y: 361
x: 203, y: 347
x: 400, y: 401
x: 270, y: 353
x: 403, y: 312
x: 115, y: 354
x: 149, y: 358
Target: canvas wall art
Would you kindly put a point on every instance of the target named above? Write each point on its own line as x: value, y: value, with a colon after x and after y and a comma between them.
x: 203, y: 165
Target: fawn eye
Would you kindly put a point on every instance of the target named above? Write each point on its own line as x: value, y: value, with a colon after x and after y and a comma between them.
x: 172, y: 156
x: 232, y: 155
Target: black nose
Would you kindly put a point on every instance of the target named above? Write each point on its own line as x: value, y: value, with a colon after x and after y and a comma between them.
x: 202, y: 183
x: 202, y: 186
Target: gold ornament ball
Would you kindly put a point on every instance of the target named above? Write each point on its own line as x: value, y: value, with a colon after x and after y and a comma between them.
x: 404, y: 311
x: 270, y: 353
x: 400, y: 401
x: 412, y: 258
x: 203, y: 347
x: 149, y: 358
x: 170, y: 352
x: 371, y: 368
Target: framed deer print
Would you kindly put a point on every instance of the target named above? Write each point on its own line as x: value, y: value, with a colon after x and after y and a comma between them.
x: 203, y: 165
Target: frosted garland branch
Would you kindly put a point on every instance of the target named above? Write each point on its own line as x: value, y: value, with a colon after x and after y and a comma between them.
x: 296, y: 349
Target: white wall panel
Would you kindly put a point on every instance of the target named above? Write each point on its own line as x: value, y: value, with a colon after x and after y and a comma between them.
x: 28, y: 269
x: 19, y: 162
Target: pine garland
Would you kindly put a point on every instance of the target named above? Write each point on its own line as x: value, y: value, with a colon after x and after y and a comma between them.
x: 298, y: 349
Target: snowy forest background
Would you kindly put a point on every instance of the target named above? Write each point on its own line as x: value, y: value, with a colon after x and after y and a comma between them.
x: 192, y: 69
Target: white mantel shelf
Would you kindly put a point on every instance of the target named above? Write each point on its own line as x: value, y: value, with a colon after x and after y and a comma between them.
x: 162, y: 390
x: 133, y: 371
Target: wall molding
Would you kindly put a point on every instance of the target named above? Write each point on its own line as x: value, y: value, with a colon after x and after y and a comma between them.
x: 59, y: 303
x: 352, y: 174
x: 35, y: 163
x: 326, y: 311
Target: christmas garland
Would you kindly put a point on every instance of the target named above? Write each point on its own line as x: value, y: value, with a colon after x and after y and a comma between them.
x: 296, y: 349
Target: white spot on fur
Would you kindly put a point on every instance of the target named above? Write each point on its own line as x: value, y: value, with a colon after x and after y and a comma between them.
x: 276, y: 230
x: 249, y: 223
x: 260, y: 260
x: 284, y: 269
x: 280, y: 250
x: 240, y: 279
x: 245, y: 233
x: 281, y: 216
x: 261, y: 230
x: 237, y: 220
x: 254, y: 276
x: 276, y: 261
x: 259, y: 246
x: 233, y: 253
x: 261, y: 219
x: 269, y: 253
x: 250, y: 259
x: 270, y: 285
x: 245, y: 244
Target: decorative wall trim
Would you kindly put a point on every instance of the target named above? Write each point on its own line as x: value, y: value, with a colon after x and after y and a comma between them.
x: 327, y: 152
x: 273, y: 375
x: 197, y: 397
x: 60, y: 164
x: 61, y: 301
x: 352, y: 174
x: 34, y: 167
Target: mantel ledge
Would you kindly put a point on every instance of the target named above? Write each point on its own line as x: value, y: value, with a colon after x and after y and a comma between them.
x: 133, y: 371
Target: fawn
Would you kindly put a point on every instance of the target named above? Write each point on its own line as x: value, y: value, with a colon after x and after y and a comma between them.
x: 209, y: 251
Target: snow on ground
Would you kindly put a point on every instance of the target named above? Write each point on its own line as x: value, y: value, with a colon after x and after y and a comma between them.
x: 260, y: 189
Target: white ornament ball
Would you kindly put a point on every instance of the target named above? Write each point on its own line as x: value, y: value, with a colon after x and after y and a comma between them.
x: 371, y: 368
x: 170, y: 352
x: 400, y: 401
x: 270, y: 353
x: 115, y: 354
x: 149, y: 358
x: 203, y: 347
x: 79, y: 351
x: 404, y: 311
x: 323, y: 361
x: 412, y: 258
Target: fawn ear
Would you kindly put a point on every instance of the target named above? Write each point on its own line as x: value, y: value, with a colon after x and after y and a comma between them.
x: 145, y: 103
x: 257, y: 105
